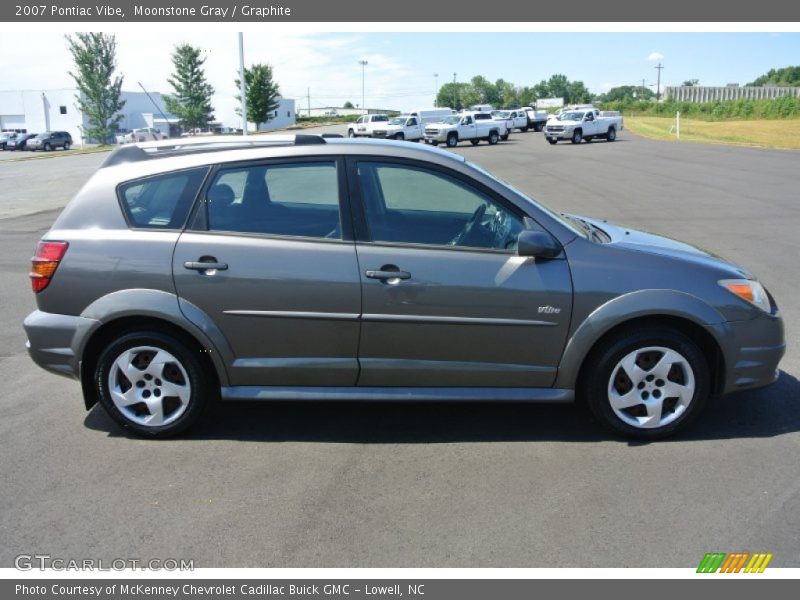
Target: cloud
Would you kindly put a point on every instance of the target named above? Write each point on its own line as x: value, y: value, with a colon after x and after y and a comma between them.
x: 655, y: 56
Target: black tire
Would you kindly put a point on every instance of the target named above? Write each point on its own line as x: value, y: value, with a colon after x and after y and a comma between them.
x: 504, y: 137
x: 538, y: 127
x: 351, y: 133
x: 201, y: 385
x: 493, y: 138
x: 434, y: 143
x: 552, y: 141
x: 474, y: 142
x: 399, y: 137
x: 577, y: 137
x: 612, y: 134
x: 66, y: 145
x: 602, y: 362
x: 524, y: 130
x: 452, y: 140
x: 47, y: 147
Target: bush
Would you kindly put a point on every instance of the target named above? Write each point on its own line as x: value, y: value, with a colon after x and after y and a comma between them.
x: 785, y: 107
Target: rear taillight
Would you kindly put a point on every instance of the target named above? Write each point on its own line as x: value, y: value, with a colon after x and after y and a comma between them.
x: 45, y: 262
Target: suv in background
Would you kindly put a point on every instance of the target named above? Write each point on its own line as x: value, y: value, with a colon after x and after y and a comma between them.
x: 304, y: 268
x: 50, y: 140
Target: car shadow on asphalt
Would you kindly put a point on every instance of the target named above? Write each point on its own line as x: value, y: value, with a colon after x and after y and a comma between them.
x: 762, y: 413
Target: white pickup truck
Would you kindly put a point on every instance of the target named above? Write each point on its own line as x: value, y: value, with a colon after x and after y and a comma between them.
x: 579, y: 125
x: 536, y: 118
x: 364, y: 125
x: 404, y: 127
x: 472, y: 126
x: 514, y: 119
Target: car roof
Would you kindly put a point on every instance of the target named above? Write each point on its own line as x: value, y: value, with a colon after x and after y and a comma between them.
x: 144, y: 159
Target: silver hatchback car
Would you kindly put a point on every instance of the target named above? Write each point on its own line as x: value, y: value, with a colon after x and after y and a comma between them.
x: 300, y: 268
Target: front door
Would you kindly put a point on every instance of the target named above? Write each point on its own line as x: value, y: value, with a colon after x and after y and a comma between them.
x: 446, y: 300
x: 269, y: 263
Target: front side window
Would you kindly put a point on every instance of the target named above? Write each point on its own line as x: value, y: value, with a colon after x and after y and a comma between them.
x: 290, y: 199
x: 409, y: 204
x: 161, y: 202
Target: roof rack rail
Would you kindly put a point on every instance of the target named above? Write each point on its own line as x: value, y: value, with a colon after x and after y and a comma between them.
x: 200, y: 145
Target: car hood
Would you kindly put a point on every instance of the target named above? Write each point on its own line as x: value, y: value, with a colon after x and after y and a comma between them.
x: 641, y: 241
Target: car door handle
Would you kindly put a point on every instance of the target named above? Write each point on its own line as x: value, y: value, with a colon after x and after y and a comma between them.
x: 205, y: 266
x: 388, y: 274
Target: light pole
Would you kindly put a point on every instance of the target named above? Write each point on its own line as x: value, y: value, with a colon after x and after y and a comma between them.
x: 435, y: 88
x: 363, y: 64
x: 242, y: 86
x: 455, y: 87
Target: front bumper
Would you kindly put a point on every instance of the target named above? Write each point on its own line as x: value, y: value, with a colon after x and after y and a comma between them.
x: 55, y: 341
x: 752, y: 350
x: 436, y: 137
x: 564, y: 134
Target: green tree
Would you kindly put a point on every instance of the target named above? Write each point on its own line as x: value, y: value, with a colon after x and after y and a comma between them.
x: 787, y: 76
x: 690, y: 82
x: 507, y: 93
x: 627, y: 92
x: 191, y: 101
x: 559, y: 86
x: 95, y: 58
x: 454, y: 95
x: 262, y: 96
x: 348, y: 104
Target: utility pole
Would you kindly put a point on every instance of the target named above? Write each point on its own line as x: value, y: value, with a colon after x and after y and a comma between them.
x: 658, y: 85
x: 643, y: 86
x: 242, y: 86
x: 435, y: 88
x: 454, y: 92
x: 363, y: 64
x: 309, y: 102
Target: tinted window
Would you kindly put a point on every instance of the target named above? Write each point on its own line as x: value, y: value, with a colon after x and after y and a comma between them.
x: 161, y: 202
x: 414, y: 205
x: 297, y: 199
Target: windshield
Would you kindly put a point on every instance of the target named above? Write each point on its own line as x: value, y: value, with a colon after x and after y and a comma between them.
x: 43, y: 136
x: 451, y: 120
x: 503, y: 114
x: 569, y: 224
x: 572, y: 116
x: 397, y: 121
x: 379, y: 118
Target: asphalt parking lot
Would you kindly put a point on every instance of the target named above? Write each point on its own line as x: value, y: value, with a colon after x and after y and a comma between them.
x: 354, y: 485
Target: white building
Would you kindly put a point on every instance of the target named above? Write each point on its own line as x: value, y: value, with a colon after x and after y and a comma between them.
x: 284, y: 116
x: 35, y: 111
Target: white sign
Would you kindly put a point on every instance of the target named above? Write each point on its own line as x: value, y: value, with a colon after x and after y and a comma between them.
x: 549, y: 103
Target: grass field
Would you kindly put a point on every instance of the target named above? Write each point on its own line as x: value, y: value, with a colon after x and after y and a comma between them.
x: 762, y: 133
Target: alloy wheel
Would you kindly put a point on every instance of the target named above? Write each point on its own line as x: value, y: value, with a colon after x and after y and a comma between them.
x: 149, y: 386
x: 651, y: 387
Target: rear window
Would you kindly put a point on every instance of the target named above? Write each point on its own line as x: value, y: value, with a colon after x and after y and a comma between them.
x: 160, y: 202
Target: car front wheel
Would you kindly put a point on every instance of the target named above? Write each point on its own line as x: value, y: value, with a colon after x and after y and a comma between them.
x: 151, y: 384
x: 577, y: 137
x: 647, y: 383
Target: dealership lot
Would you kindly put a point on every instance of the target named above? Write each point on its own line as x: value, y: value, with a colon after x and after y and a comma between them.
x: 426, y: 485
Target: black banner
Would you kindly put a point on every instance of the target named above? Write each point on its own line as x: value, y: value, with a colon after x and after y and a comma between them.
x: 440, y: 11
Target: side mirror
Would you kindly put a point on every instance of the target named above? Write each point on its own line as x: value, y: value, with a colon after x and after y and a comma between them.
x: 537, y: 244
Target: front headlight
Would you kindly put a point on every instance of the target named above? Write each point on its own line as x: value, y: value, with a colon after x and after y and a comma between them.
x: 750, y: 291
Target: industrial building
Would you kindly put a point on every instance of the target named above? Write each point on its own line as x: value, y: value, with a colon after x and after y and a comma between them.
x: 36, y: 111
x: 699, y: 93
x: 284, y: 116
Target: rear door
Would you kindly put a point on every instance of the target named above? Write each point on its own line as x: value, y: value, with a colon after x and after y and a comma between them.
x: 271, y: 260
x: 446, y: 300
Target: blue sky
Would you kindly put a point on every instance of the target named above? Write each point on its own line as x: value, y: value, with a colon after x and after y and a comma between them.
x: 401, y: 65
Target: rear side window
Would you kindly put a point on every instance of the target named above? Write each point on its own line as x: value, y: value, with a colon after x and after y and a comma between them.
x: 161, y: 202
x: 290, y: 199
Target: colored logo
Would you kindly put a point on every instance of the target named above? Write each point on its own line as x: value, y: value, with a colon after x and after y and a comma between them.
x: 737, y: 562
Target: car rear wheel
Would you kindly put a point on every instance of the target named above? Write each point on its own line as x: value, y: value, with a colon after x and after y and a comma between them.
x: 612, y: 134
x: 66, y: 145
x: 524, y: 130
x: 47, y: 147
x: 151, y: 384
x: 504, y: 137
x: 646, y: 383
x: 493, y: 138
x: 474, y: 142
